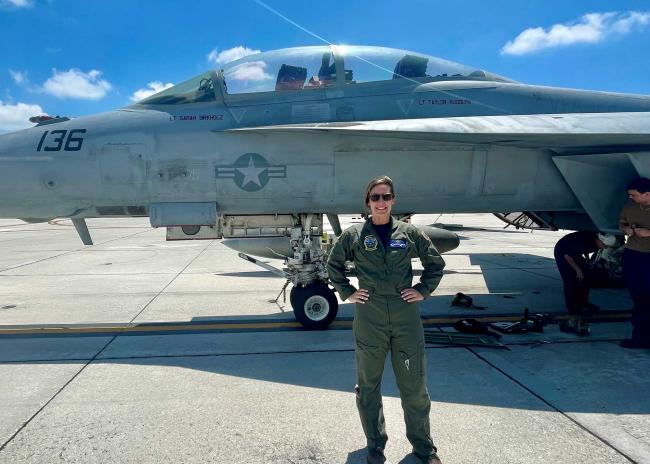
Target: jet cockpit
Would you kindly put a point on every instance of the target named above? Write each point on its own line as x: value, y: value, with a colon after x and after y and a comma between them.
x: 317, y: 67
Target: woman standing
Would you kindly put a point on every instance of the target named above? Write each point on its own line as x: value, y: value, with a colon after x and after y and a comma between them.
x: 387, y: 316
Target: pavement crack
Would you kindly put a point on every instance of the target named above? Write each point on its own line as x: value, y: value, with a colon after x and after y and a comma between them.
x: 18, y: 266
x: 552, y: 406
x: 33, y: 416
x: 170, y: 282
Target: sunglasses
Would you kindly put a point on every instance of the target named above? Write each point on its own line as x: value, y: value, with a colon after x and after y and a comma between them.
x: 381, y: 196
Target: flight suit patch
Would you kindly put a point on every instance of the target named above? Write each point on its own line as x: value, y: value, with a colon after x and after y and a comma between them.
x: 397, y: 243
x: 370, y: 243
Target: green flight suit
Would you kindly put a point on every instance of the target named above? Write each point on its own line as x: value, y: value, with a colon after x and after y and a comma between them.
x: 386, y: 322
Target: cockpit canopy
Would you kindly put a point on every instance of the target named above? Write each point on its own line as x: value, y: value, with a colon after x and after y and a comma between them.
x: 308, y: 68
x: 287, y: 69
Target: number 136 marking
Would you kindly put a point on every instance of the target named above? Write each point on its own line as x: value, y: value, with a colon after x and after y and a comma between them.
x: 55, y: 140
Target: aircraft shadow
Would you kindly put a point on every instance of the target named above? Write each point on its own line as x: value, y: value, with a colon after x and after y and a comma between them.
x: 581, y: 377
x: 247, y: 274
x: 598, y: 377
x: 454, y: 228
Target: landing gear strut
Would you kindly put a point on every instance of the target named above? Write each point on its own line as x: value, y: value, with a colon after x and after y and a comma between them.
x: 313, y: 301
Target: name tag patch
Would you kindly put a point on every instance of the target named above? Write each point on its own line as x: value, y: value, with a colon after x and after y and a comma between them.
x: 398, y: 244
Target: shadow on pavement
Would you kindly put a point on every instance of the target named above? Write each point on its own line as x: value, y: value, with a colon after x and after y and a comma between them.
x: 357, y: 457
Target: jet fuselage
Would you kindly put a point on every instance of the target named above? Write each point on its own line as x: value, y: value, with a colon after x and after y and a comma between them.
x: 119, y: 163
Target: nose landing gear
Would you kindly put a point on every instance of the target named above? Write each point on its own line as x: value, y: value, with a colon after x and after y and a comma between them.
x: 314, y: 303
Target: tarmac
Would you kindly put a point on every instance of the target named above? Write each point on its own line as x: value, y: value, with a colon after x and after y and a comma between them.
x: 141, y: 350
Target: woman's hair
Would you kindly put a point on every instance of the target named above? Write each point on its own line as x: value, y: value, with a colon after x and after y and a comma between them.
x: 378, y: 181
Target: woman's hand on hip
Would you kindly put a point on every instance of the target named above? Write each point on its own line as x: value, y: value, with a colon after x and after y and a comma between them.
x: 360, y: 296
x: 411, y: 295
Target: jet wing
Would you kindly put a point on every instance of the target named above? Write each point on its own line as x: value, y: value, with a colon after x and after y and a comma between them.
x: 552, y: 131
x: 596, y: 153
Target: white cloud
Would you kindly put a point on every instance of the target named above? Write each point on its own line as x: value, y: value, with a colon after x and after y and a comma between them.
x: 77, y: 84
x: 253, y: 71
x: 17, y: 3
x: 591, y: 28
x: 14, y: 117
x: 630, y: 20
x: 231, y: 54
x: 151, y: 88
x: 19, y: 77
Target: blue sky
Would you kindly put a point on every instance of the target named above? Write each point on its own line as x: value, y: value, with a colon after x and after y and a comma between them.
x: 73, y: 58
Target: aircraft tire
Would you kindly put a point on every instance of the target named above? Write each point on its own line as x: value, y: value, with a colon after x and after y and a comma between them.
x: 314, y: 305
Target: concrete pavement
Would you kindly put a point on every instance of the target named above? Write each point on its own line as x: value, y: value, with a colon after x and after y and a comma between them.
x: 287, y: 396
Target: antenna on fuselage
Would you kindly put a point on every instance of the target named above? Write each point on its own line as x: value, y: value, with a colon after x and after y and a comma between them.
x: 46, y: 119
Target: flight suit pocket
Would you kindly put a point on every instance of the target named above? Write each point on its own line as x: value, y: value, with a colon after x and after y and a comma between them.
x: 369, y: 354
x: 414, y: 362
x: 367, y: 347
x: 370, y: 365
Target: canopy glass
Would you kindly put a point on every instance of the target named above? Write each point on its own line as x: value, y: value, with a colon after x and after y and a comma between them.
x: 308, y: 68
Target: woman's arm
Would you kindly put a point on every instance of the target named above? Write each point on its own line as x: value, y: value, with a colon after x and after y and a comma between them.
x: 431, y: 261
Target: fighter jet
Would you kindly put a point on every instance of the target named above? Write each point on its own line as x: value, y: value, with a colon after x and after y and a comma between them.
x: 260, y: 151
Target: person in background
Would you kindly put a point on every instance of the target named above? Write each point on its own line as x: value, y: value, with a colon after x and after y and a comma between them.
x: 606, y: 265
x: 572, y: 258
x: 634, y: 221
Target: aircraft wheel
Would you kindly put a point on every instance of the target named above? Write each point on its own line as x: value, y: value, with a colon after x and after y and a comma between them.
x: 314, y: 305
